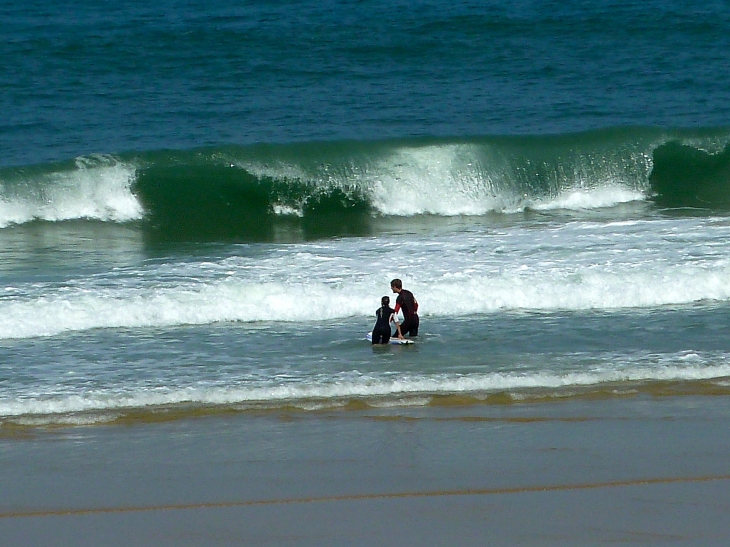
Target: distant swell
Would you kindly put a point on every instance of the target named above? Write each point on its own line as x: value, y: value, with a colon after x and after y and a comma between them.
x: 342, y: 188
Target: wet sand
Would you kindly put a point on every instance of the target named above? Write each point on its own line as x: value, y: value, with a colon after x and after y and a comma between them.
x: 635, y: 471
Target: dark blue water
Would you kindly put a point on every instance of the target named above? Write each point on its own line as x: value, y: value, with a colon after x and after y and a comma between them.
x: 115, y: 77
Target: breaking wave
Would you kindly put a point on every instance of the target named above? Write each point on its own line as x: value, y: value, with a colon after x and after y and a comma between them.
x: 338, y: 188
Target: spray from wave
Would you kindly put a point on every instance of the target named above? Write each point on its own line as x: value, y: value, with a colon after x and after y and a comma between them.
x: 97, y: 187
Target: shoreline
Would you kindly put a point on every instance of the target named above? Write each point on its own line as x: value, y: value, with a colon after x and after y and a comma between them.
x: 24, y: 425
x: 581, y: 472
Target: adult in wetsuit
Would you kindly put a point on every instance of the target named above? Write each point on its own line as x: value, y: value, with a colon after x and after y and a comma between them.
x: 408, y: 303
x: 381, y: 331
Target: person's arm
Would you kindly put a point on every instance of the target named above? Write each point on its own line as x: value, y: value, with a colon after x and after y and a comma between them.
x: 397, y: 325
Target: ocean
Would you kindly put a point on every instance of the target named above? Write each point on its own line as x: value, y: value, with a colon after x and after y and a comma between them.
x: 202, y: 204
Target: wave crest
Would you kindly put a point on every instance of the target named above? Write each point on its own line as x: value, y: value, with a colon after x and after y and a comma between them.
x: 94, y: 187
x: 339, y: 188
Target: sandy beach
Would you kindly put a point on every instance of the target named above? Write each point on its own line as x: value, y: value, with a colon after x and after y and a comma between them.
x: 634, y: 471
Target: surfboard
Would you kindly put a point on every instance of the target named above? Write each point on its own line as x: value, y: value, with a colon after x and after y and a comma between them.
x: 393, y: 340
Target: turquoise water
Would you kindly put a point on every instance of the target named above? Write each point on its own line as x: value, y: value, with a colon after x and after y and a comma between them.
x: 202, y: 204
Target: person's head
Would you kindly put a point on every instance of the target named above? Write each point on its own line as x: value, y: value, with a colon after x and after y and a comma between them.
x: 385, y: 301
x: 396, y: 285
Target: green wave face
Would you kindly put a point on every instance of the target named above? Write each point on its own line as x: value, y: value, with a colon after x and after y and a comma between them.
x: 214, y: 200
x: 330, y: 189
x: 686, y: 176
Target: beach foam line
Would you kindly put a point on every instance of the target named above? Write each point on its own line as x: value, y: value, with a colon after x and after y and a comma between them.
x: 497, y: 388
x: 363, y: 497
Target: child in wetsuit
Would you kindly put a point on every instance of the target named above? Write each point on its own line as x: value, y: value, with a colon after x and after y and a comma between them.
x: 381, y: 331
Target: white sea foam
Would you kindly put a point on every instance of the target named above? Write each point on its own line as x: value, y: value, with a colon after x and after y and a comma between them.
x: 234, y: 300
x: 69, y: 419
x: 574, y: 266
x: 99, y: 188
x: 604, y: 196
x: 408, y: 390
x: 286, y: 210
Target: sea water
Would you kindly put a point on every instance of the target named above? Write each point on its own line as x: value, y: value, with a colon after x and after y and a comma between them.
x: 201, y: 205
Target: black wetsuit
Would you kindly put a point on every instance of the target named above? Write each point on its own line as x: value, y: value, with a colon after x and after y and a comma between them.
x: 381, y: 331
x: 407, y: 303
